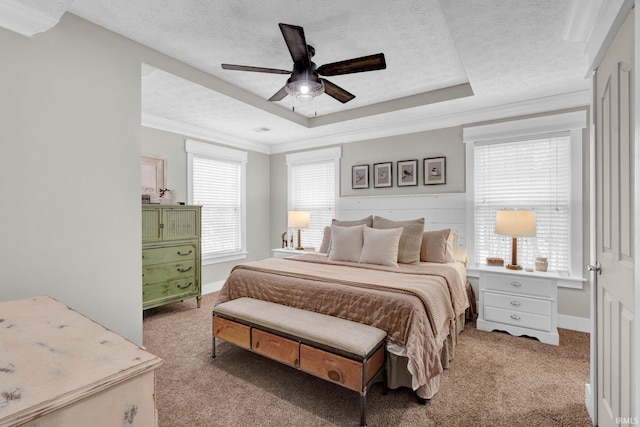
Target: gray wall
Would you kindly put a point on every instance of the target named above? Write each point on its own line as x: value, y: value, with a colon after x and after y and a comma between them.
x: 171, y: 146
x: 70, y: 146
x: 70, y: 168
x: 435, y: 143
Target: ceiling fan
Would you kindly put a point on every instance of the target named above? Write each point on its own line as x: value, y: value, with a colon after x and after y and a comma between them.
x: 305, y: 82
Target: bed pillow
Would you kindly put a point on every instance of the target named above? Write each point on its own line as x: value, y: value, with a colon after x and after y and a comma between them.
x: 410, y: 240
x: 368, y: 221
x: 437, y: 246
x: 346, y: 243
x: 380, y: 246
x: 452, y: 245
x: 326, y: 240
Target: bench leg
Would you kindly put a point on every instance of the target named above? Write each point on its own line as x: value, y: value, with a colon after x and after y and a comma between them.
x: 213, y: 347
x: 363, y: 409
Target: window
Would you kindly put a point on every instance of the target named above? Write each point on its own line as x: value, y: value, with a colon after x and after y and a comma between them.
x: 217, y: 183
x: 537, y: 168
x: 313, y: 180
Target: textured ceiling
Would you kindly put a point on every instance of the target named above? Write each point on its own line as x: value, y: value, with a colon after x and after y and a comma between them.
x: 491, y: 52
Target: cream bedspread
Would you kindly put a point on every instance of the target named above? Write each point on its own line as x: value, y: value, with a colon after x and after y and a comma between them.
x: 417, y: 305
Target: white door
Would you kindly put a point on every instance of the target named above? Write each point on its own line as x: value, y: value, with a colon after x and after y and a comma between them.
x: 614, y: 120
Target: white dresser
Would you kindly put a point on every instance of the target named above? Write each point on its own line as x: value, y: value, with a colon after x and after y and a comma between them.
x: 519, y: 302
x: 59, y: 368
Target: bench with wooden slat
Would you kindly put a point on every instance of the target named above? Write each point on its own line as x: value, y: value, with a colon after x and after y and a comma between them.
x: 343, y: 352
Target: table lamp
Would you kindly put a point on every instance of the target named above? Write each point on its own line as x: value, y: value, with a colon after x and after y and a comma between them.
x: 298, y: 219
x: 515, y: 224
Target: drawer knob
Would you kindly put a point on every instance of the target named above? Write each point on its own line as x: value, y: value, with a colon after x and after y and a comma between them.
x: 516, y: 284
x: 184, y: 270
x: 515, y: 317
x: 515, y: 303
x: 185, y: 286
x: 188, y: 253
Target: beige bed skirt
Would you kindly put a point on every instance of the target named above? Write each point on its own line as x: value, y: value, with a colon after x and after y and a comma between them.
x: 399, y: 369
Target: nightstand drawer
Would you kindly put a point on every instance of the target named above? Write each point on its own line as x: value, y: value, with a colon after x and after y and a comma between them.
x: 517, y: 318
x: 518, y: 303
x: 518, y: 284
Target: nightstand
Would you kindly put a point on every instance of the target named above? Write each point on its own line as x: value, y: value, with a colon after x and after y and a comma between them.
x: 286, y: 252
x: 519, y: 302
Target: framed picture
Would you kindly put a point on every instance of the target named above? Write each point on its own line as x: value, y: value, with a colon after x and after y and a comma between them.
x: 154, y: 176
x: 360, y: 176
x: 382, y: 175
x: 434, y: 170
x: 407, y: 173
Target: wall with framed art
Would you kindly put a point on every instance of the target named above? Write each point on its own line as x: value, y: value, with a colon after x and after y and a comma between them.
x: 428, y: 162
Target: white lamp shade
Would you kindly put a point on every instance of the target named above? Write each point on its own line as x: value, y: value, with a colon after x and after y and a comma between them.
x: 516, y: 223
x: 298, y: 219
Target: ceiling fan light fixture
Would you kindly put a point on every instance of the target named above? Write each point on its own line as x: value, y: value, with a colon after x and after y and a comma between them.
x: 304, y: 89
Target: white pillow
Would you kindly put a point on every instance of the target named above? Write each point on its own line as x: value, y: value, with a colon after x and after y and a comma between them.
x: 380, y: 246
x: 346, y: 243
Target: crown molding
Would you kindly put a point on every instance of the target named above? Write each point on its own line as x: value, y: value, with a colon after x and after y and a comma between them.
x: 610, y: 18
x: 161, y: 123
x: 23, y: 19
x: 505, y: 111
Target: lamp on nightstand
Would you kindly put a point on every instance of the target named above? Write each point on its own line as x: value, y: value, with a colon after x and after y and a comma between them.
x: 515, y: 224
x: 299, y: 219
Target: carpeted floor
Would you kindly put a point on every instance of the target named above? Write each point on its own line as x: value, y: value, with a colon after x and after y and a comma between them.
x: 495, y: 380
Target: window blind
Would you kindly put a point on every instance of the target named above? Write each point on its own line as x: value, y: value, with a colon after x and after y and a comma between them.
x: 217, y: 187
x: 530, y: 174
x: 313, y: 189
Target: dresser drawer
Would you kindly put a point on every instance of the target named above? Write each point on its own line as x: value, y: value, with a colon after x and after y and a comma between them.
x: 331, y: 367
x: 276, y: 347
x: 518, y: 284
x: 156, y: 291
x: 517, y: 302
x: 517, y: 318
x: 169, y: 271
x: 231, y: 331
x: 163, y: 255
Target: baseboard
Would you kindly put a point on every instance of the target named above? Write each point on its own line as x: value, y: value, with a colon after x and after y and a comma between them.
x: 588, y: 401
x: 579, y: 324
x: 212, y: 287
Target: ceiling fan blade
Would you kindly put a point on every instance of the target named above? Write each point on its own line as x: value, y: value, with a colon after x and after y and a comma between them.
x: 279, y: 95
x: 355, y: 65
x: 337, y: 92
x: 255, y: 69
x: 294, y: 37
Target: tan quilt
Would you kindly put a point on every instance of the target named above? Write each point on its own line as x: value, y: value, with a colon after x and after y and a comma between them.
x: 416, y: 305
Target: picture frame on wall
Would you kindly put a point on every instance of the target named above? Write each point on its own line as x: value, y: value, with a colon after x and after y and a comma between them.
x: 407, y: 173
x: 435, y: 170
x: 382, y: 175
x: 154, y: 176
x: 359, y: 176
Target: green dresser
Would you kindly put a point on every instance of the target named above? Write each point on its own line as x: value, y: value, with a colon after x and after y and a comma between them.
x: 171, y: 268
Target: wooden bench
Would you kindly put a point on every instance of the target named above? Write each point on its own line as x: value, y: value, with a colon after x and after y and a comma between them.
x: 343, y: 352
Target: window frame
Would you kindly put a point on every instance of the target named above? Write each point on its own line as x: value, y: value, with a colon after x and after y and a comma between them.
x: 219, y: 153
x: 310, y: 157
x: 524, y: 129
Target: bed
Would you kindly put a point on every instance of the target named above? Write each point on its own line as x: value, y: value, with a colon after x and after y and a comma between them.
x: 420, y: 304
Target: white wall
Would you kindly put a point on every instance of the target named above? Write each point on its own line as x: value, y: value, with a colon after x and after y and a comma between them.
x: 70, y: 169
